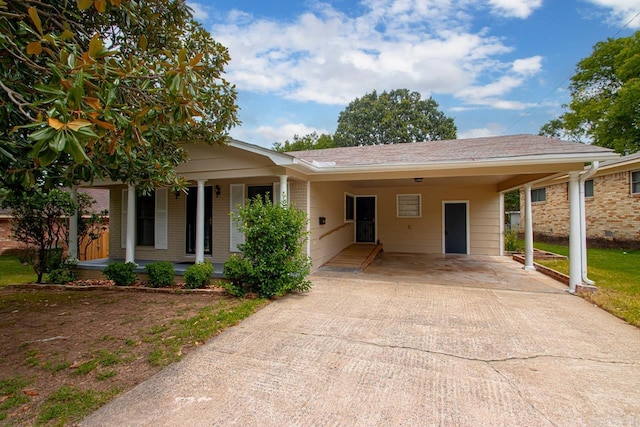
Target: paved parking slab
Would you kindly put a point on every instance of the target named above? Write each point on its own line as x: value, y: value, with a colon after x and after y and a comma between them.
x: 465, y: 341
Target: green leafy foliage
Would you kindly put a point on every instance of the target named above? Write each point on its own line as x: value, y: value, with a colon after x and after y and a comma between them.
x: 512, y: 201
x: 160, y: 274
x: 63, y: 273
x: 273, y: 261
x: 122, y: 273
x: 391, y: 118
x: 38, y: 220
x: 107, y: 89
x: 510, y: 240
x: 198, y: 275
x: 312, y: 141
x: 605, y: 98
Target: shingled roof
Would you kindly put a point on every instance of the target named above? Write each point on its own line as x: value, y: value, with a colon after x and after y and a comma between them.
x: 456, y: 150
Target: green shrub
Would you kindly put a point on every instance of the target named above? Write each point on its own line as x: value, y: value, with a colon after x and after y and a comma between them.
x: 160, y: 274
x: 273, y: 261
x: 234, y: 272
x: 63, y: 273
x: 198, y: 275
x: 510, y: 241
x: 122, y: 274
x: 54, y: 259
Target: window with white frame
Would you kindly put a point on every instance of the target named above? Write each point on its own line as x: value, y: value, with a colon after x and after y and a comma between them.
x: 539, y: 194
x: 635, y: 182
x: 588, y: 188
x: 349, y: 207
x: 409, y: 205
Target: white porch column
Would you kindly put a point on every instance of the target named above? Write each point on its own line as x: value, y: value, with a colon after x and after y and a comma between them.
x: 528, y: 229
x: 130, y: 250
x: 575, y: 254
x: 284, y: 191
x: 200, y: 223
x: 72, y: 244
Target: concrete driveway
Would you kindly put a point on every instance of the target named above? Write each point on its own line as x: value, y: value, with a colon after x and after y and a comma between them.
x: 461, y: 341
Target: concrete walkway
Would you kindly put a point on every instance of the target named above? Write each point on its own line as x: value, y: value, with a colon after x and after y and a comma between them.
x: 427, y: 345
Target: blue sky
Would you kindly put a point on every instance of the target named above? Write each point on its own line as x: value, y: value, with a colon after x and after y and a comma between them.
x: 497, y: 67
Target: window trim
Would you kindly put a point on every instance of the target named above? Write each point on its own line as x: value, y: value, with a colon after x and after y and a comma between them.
x: 406, y: 197
x: 537, y: 191
x: 593, y: 189
x: 632, y: 182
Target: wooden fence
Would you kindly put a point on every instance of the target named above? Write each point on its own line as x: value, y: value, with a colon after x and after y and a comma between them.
x: 98, y: 248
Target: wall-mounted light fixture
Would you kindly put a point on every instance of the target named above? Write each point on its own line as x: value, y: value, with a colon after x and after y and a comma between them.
x: 417, y: 179
x: 217, y: 190
x: 322, y: 220
x: 177, y: 194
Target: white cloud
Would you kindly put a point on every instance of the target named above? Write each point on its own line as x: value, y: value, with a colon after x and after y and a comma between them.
x: 328, y: 57
x: 621, y: 12
x: 199, y: 12
x: 492, y: 129
x: 527, y: 66
x: 515, y: 8
x: 492, y: 93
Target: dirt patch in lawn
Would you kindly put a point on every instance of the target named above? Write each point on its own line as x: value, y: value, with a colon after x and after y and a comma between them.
x: 96, y: 344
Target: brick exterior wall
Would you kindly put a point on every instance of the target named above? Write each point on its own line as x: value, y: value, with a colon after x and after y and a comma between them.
x: 7, y: 242
x: 612, y: 214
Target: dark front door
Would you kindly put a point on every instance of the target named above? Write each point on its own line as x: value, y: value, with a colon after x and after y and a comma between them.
x: 455, y: 228
x: 365, y: 219
x: 192, y: 208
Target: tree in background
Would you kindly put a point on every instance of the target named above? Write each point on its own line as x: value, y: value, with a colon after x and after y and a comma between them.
x: 512, y: 201
x: 106, y: 89
x: 39, y: 220
x: 390, y: 118
x: 605, y: 97
x: 312, y: 141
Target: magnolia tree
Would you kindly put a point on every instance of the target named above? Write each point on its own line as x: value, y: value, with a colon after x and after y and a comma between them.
x: 106, y: 89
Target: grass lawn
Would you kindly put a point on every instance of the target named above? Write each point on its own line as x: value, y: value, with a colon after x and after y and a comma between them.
x: 14, y: 272
x: 65, y: 353
x: 617, y: 276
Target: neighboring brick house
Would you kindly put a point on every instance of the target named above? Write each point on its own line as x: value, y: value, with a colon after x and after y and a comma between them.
x: 6, y: 236
x: 612, y: 205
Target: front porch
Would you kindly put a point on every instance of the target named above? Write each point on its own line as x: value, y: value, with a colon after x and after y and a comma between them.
x: 353, y: 258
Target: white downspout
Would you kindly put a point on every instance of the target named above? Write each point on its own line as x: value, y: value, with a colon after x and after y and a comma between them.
x: 575, y: 256
x: 583, y: 220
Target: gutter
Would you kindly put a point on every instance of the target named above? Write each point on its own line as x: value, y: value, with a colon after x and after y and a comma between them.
x: 329, y: 167
x: 583, y: 221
